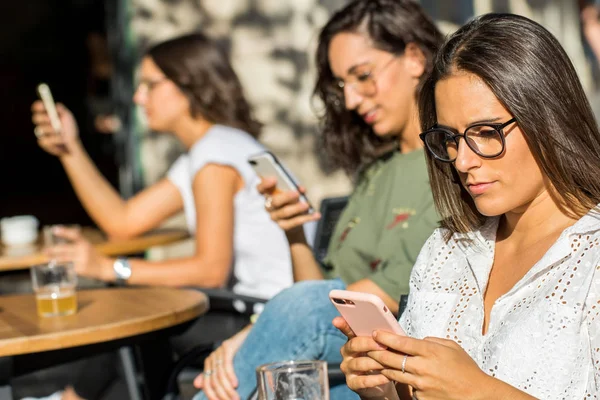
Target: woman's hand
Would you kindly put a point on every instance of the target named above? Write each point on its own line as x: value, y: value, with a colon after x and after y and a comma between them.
x: 285, y: 208
x: 55, y: 143
x: 435, y: 368
x: 87, y: 261
x: 363, y: 373
x: 218, y: 381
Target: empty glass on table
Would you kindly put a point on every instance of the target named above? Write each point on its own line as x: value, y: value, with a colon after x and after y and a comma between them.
x: 293, y: 380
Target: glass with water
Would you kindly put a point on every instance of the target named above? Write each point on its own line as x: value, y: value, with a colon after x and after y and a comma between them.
x: 293, y: 380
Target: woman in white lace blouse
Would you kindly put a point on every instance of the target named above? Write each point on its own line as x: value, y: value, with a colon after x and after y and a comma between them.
x: 505, y: 298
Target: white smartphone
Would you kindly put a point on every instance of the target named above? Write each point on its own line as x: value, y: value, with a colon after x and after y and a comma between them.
x: 364, y: 312
x: 266, y: 165
x: 46, y: 96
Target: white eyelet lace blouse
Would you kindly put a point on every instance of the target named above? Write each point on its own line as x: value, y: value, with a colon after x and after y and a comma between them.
x: 544, y: 334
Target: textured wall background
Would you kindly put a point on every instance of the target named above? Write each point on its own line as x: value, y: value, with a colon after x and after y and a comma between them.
x: 272, y: 44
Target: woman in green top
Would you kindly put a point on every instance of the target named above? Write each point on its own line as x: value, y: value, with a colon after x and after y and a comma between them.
x: 371, y: 60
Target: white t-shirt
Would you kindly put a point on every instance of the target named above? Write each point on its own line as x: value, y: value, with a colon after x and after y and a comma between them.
x: 544, y: 334
x: 262, y: 264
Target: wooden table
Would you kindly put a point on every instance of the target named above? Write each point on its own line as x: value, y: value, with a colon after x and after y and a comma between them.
x: 103, y: 315
x: 117, y: 317
x: 14, y: 258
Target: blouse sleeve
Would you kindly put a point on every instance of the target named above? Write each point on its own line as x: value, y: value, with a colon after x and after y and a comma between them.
x: 593, y: 326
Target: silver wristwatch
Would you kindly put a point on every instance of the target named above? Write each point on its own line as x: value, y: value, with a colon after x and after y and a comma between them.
x: 122, y: 269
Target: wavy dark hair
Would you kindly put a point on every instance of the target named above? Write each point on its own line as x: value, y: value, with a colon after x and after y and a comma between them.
x: 531, y: 75
x: 391, y: 25
x: 201, y: 69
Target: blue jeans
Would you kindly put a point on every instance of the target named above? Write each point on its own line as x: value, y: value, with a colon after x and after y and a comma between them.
x: 295, y: 325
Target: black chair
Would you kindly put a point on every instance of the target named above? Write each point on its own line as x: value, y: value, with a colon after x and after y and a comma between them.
x: 331, y: 209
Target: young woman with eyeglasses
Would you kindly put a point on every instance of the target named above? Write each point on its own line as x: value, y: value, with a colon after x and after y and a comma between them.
x: 189, y: 89
x: 505, y: 297
x: 371, y: 59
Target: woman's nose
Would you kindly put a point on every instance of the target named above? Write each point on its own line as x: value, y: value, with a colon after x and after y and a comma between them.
x: 466, y: 158
x: 139, y: 97
x: 352, y: 98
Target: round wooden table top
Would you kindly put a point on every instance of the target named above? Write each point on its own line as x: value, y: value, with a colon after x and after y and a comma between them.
x: 103, y: 315
x: 22, y: 257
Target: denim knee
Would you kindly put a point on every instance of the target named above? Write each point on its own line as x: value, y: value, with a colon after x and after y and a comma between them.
x: 303, y: 301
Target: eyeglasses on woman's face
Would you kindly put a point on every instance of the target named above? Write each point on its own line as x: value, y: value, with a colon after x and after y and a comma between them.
x: 150, y: 84
x: 362, y: 80
x: 486, y: 140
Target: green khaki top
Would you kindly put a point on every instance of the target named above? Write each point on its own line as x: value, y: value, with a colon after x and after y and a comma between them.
x: 388, y: 218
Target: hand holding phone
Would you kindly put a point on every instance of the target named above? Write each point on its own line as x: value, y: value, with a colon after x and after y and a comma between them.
x: 266, y: 165
x: 46, y: 96
x: 364, y: 312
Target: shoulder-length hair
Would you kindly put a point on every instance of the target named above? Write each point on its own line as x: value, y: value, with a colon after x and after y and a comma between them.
x: 531, y: 75
x: 202, y: 71
x: 391, y: 25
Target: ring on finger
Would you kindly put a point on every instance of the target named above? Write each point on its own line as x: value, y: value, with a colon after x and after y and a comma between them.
x: 269, y: 203
x: 404, y: 362
x: 208, y: 373
x: 37, y: 131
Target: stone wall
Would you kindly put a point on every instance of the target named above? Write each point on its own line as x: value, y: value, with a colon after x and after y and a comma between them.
x: 272, y: 44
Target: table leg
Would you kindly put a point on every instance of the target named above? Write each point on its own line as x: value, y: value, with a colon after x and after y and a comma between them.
x: 156, y: 362
x: 131, y: 378
x: 6, y: 367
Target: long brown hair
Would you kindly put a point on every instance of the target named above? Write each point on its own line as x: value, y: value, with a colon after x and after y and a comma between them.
x: 531, y: 75
x: 391, y: 25
x: 201, y: 69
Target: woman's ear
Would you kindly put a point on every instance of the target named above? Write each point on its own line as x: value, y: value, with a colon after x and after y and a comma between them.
x: 415, y: 60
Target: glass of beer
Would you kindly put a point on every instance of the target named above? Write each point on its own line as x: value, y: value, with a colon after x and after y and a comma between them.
x: 54, y: 286
x: 54, y: 283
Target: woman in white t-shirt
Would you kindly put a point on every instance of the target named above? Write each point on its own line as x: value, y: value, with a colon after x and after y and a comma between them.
x: 504, y: 299
x: 189, y: 89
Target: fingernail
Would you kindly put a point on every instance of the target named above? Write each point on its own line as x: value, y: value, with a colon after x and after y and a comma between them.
x: 374, y: 334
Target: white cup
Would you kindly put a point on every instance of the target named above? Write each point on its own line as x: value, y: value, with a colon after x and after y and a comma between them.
x: 19, y: 230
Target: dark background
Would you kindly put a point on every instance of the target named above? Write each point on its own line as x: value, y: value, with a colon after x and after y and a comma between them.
x: 57, y: 42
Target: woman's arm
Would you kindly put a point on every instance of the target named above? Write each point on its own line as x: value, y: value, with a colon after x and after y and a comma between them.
x: 304, y: 265
x: 289, y: 213
x: 115, y: 216
x: 214, y: 189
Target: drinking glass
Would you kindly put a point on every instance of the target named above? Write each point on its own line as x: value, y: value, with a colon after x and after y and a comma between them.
x: 54, y: 283
x: 293, y: 380
x: 54, y: 286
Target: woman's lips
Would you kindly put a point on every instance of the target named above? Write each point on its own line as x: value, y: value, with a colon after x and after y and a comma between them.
x: 479, y: 188
x: 370, y: 117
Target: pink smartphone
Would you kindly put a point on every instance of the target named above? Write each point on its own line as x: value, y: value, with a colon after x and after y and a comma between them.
x: 364, y: 312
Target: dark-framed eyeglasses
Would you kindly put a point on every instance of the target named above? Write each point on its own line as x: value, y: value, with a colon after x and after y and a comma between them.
x: 486, y: 140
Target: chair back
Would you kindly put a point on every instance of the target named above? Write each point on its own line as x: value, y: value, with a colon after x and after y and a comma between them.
x: 402, y: 304
x: 331, y: 209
